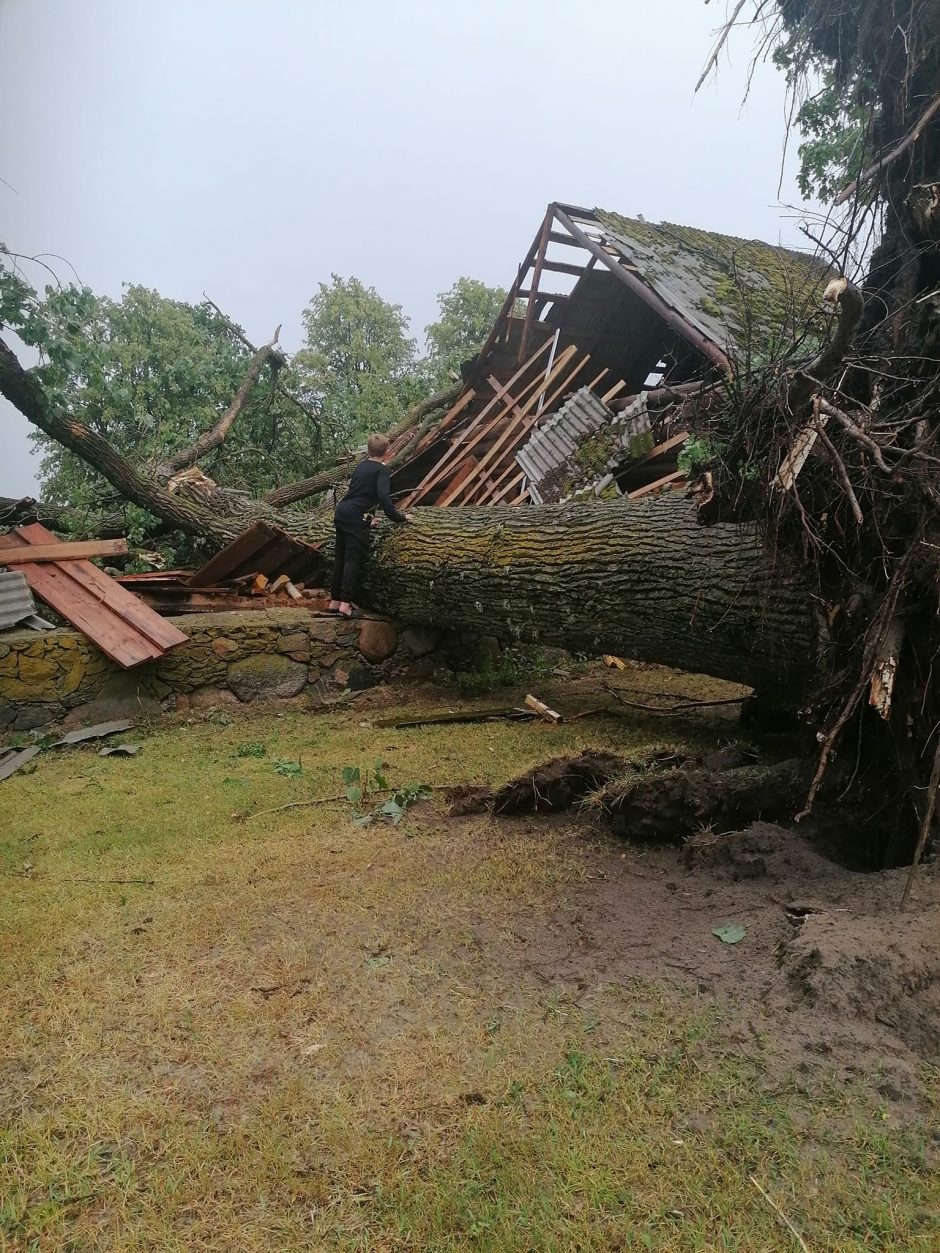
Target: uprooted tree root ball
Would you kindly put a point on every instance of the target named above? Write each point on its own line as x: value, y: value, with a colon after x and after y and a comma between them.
x: 664, y: 797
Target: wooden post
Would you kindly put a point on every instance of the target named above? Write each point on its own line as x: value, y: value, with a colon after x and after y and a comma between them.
x: 536, y: 276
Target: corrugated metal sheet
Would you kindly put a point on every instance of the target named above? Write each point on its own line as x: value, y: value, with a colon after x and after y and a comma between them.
x: 16, y: 600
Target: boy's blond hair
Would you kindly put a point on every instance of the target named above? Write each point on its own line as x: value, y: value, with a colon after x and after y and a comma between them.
x: 377, y: 445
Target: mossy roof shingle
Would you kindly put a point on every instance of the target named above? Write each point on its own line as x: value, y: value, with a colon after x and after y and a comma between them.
x: 739, y: 292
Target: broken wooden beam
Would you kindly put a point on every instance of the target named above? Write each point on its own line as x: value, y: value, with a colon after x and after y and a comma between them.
x: 543, y: 711
x: 80, y: 550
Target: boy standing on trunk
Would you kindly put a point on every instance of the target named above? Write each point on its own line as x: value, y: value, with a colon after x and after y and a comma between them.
x: 369, y: 487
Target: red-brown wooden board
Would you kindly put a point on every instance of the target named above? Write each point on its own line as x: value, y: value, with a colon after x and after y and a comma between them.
x: 262, y: 549
x: 123, y: 627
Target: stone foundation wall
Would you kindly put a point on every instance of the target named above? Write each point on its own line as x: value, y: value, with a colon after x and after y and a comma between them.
x: 229, y: 657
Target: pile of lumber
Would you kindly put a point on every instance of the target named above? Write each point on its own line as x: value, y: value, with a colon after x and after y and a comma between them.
x: 262, y: 568
x: 172, y: 592
x: 62, y: 576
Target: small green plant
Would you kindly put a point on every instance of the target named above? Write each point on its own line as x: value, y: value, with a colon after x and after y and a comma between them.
x: 288, y: 769
x: 359, y: 785
x: 697, y: 454
x: 398, y: 804
x: 251, y: 750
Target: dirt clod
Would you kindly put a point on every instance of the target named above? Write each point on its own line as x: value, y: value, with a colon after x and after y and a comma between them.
x: 467, y: 799
x: 557, y: 784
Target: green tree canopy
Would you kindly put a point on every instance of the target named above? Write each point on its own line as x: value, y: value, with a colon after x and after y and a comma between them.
x: 357, y: 368
x: 151, y: 375
x: 467, y: 311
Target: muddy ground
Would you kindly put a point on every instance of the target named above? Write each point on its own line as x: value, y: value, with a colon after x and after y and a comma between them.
x: 828, y: 968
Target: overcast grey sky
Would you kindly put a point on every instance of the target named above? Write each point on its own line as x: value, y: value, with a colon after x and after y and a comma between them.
x: 250, y: 148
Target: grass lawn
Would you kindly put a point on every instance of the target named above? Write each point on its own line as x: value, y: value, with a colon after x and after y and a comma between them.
x: 306, y: 1034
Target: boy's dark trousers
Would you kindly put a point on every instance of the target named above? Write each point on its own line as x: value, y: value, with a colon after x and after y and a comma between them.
x: 352, y: 547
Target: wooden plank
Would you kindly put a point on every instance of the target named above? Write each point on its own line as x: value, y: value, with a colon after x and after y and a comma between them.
x: 452, y: 414
x: 500, y: 487
x: 124, y: 604
x: 505, y: 313
x: 521, y: 411
x: 460, y: 444
x: 546, y: 296
x: 658, y: 450
x: 122, y: 626
x: 462, y: 471
x: 665, y: 481
x: 459, y: 449
x: 502, y: 493
x: 556, y: 237
x: 536, y: 277
x: 564, y: 267
x: 431, y: 479
x: 173, y: 603
x: 542, y: 709
x: 262, y: 548
x: 154, y: 576
x: 81, y: 550
x: 524, y: 419
x: 608, y: 396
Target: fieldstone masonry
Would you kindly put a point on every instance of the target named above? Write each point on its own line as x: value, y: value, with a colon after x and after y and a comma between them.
x: 247, y: 656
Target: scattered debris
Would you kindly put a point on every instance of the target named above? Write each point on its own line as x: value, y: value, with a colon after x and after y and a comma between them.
x: 545, y: 411
x: 97, y: 732
x: 542, y: 709
x: 262, y: 549
x: 730, y: 932
x: 124, y: 628
x: 169, y: 592
x: 615, y: 663
x: 472, y: 715
x: 10, y: 765
x: 119, y: 750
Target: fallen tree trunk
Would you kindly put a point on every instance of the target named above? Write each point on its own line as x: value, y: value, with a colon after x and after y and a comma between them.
x: 637, y: 579
x: 642, y: 580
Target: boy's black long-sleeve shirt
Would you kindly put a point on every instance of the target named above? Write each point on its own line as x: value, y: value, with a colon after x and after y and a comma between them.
x: 369, y: 487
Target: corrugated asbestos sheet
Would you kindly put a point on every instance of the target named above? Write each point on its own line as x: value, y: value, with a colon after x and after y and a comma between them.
x: 16, y: 600
x: 548, y: 457
x: 554, y: 444
x: 732, y: 290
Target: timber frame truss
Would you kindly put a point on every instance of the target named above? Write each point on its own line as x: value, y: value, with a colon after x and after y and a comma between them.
x: 578, y: 314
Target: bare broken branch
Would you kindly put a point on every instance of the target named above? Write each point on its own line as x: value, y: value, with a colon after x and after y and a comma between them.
x: 213, y: 438
x: 892, y: 155
x: 25, y: 392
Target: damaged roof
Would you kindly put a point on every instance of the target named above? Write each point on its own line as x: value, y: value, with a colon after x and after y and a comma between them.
x: 741, y: 293
x: 614, y: 305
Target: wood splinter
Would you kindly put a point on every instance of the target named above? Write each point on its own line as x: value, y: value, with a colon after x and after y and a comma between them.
x: 533, y: 702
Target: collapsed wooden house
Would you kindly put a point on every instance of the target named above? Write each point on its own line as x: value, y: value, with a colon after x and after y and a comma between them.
x: 608, y: 326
